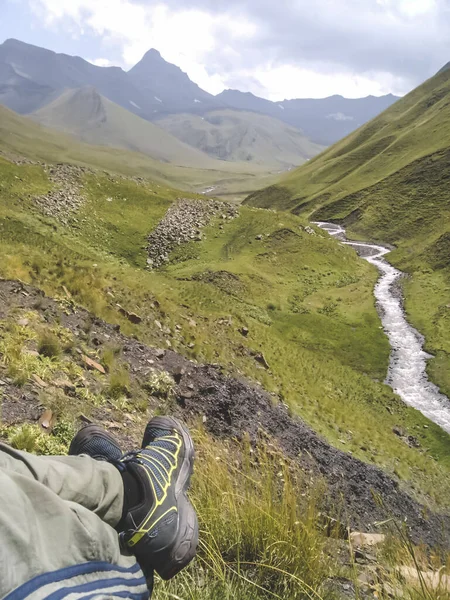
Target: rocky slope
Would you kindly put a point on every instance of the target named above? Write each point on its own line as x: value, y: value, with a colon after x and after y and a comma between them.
x: 229, y: 408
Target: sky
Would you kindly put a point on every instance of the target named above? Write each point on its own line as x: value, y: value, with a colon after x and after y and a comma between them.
x: 277, y: 49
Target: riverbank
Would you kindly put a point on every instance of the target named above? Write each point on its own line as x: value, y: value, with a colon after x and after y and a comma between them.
x: 407, y: 374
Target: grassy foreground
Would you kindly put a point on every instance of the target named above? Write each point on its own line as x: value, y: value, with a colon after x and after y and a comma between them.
x: 308, y: 305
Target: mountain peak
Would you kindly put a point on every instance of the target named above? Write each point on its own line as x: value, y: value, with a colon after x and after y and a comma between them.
x: 152, y: 53
x: 13, y: 42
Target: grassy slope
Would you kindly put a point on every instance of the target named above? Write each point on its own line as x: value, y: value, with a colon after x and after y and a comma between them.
x: 388, y: 182
x: 88, y: 116
x: 19, y: 135
x: 243, y: 136
x: 306, y: 300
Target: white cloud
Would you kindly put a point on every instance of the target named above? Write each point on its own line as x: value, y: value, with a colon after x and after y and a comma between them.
x: 225, y: 44
x: 296, y: 82
x: 100, y: 62
x: 184, y: 37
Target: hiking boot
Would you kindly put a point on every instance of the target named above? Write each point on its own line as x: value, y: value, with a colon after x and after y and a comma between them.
x: 161, y: 530
x: 97, y: 443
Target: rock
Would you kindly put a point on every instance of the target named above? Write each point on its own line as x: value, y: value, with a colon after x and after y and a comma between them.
x: 39, y: 381
x: 434, y: 580
x: 178, y: 373
x: 2, y: 383
x: 158, y: 324
x: 65, y: 385
x: 160, y: 353
x: 192, y: 323
x: 244, y: 331
x: 412, y: 441
x: 182, y: 223
x: 85, y: 419
x: 23, y: 322
x: 92, y: 364
x: 260, y: 358
x: 398, y: 431
x: 366, y: 540
x: 47, y: 421
x: 259, y: 238
x: 134, y: 318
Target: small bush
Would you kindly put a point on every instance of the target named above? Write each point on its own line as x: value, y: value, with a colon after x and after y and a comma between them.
x: 30, y: 438
x: 109, y: 356
x: 160, y: 383
x: 49, y: 345
x: 119, y: 381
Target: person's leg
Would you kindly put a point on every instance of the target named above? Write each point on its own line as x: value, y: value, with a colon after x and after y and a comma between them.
x: 95, y: 485
x: 49, y: 520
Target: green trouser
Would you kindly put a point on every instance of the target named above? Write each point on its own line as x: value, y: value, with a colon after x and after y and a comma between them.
x: 57, y: 512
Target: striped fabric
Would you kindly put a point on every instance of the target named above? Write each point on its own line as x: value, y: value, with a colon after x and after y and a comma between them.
x: 90, y: 581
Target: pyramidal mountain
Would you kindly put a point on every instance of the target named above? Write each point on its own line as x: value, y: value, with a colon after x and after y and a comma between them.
x: 168, y: 88
x: 90, y: 117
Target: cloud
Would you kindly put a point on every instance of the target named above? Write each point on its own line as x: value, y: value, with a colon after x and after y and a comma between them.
x: 280, y: 49
x: 101, y: 62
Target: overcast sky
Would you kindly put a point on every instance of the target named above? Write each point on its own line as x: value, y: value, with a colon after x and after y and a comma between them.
x: 274, y: 48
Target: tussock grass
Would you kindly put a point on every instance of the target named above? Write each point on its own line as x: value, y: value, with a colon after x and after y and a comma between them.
x: 31, y: 438
x: 118, y: 381
x: 48, y: 344
x: 259, y: 535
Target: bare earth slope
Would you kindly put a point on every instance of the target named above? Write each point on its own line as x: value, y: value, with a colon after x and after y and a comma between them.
x: 243, y: 136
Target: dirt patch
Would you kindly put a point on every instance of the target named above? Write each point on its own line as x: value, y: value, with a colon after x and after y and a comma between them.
x: 227, y: 282
x: 231, y: 408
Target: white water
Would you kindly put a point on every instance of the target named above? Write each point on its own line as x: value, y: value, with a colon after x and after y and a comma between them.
x: 407, y: 369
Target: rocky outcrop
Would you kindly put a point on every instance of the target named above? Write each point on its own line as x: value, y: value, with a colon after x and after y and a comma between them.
x: 183, y: 223
x: 66, y: 198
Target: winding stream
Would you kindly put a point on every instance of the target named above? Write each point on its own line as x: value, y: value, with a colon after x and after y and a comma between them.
x: 407, y: 369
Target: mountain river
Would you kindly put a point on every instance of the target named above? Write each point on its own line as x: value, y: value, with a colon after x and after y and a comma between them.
x: 407, y: 369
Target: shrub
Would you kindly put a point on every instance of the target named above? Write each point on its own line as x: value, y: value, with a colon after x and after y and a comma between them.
x: 119, y: 381
x: 48, y: 344
x: 160, y: 383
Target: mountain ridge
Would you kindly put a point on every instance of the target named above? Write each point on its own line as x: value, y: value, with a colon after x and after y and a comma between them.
x: 31, y: 77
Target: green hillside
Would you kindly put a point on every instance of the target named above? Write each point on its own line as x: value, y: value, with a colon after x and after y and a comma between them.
x: 389, y: 182
x: 85, y: 114
x: 260, y: 296
x: 316, y: 325
x: 23, y: 137
x: 243, y: 136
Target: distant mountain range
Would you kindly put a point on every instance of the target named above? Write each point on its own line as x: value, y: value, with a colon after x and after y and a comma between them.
x: 252, y: 129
